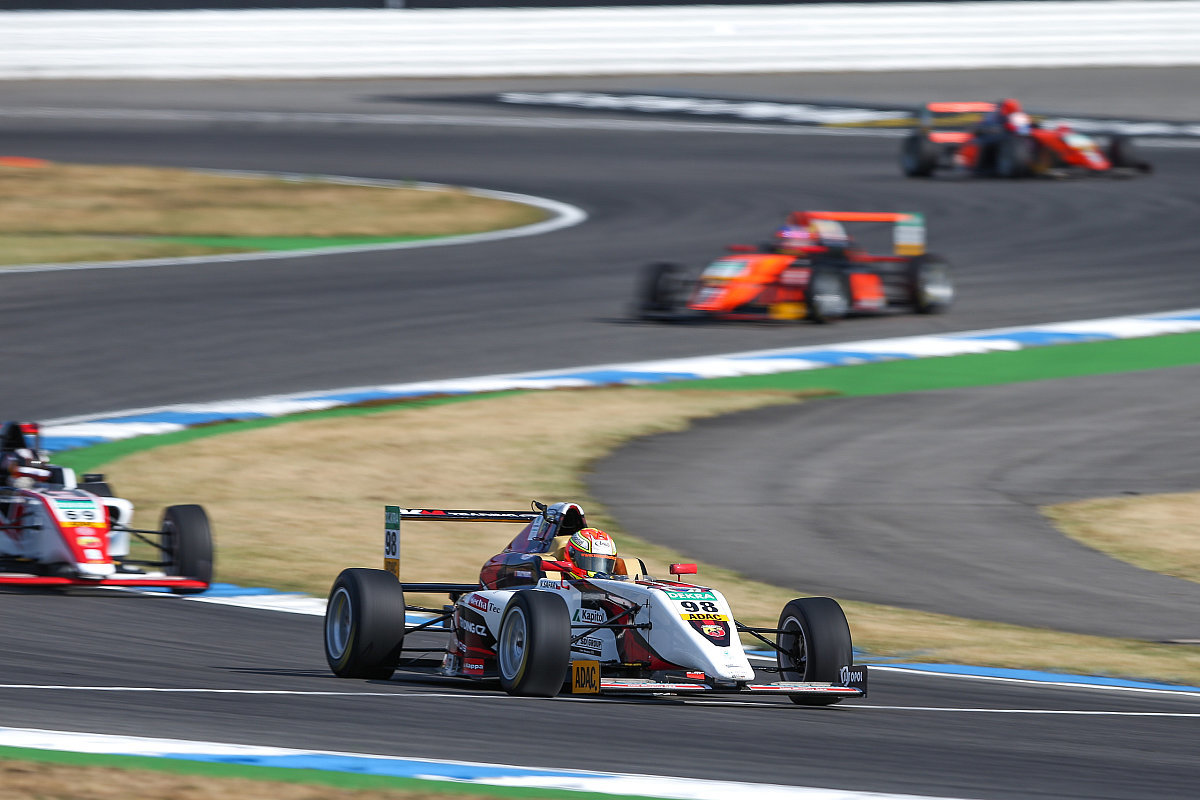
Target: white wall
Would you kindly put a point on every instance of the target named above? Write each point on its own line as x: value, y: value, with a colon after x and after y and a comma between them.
x: 597, y: 41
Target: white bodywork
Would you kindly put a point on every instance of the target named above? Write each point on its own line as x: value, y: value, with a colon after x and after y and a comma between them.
x: 669, y: 608
x: 49, y: 519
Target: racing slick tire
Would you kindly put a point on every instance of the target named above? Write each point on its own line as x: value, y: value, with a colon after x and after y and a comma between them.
x: 918, y: 156
x: 1015, y: 157
x: 533, y: 650
x: 364, y: 624
x: 814, y: 644
x: 1124, y: 154
x: 930, y: 284
x: 659, y: 292
x: 826, y: 296
x: 188, y: 544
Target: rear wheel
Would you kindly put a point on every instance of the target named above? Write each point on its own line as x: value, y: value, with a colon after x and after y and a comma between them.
x: 814, y: 645
x: 533, y: 650
x: 827, y: 297
x: 364, y: 624
x: 918, y: 155
x: 188, y: 544
x: 930, y: 284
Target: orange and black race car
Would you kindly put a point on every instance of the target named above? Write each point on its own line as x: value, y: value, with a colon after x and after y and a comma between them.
x: 811, y: 270
x: 1001, y: 140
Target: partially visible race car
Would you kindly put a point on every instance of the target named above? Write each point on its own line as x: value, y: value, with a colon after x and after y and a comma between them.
x: 976, y: 138
x: 535, y: 625
x: 811, y: 270
x: 56, y: 531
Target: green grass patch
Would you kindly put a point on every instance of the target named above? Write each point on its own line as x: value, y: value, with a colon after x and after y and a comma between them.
x: 224, y: 779
x: 984, y: 369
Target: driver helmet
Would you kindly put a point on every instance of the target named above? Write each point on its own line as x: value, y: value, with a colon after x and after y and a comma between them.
x: 593, y: 551
x: 792, y: 236
x: 24, y: 467
x: 1009, y: 106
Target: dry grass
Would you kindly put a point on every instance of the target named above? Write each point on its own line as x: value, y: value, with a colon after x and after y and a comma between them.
x: 23, y: 780
x: 296, y: 503
x: 1155, y: 532
x: 44, y: 204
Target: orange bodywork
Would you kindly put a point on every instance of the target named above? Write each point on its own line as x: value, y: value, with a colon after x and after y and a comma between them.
x: 739, y: 280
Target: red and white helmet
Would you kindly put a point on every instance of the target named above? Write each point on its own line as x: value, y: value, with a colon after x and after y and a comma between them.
x: 24, y: 467
x: 593, y: 551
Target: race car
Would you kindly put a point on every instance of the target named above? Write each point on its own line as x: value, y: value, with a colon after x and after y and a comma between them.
x: 995, y: 140
x: 58, y: 532
x: 811, y: 270
x: 536, y: 625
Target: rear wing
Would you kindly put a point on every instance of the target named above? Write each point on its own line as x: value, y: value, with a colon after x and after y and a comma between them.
x: 952, y: 115
x: 393, y: 514
x: 908, y: 232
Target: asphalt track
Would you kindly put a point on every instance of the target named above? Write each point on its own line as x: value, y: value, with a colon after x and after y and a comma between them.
x: 78, y: 342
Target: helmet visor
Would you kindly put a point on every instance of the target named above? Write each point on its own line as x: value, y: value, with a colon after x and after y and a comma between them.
x: 590, y: 563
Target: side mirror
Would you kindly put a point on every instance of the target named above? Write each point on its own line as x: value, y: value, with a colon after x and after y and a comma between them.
x: 683, y: 569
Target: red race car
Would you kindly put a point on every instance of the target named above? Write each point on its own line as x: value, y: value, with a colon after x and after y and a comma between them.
x: 1001, y: 140
x: 812, y: 270
x: 56, y: 532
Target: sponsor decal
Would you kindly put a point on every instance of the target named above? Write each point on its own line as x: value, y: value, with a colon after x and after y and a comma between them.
x: 702, y: 617
x: 585, y: 677
x: 590, y: 616
x: 690, y: 594
x: 716, y: 631
x: 852, y: 676
x: 795, y: 277
x: 473, y: 627
x: 473, y: 666
x: 78, y: 514
x: 590, y: 645
x: 697, y: 676
x: 481, y: 603
x: 550, y: 583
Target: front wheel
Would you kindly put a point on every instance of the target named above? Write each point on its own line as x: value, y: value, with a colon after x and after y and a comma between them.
x: 364, y: 624
x: 1124, y: 154
x: 660, y: 289
x: 931, y: 288
x: 533, y: 651
x: 814, y: 644
x: 827, y: 297
x: 188, y: 544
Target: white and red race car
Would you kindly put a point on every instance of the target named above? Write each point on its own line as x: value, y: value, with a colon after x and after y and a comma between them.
x: 58, y: 532
x: 534, y: 627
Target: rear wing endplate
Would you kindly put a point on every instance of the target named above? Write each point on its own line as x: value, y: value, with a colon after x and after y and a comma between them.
x: 393, y: 514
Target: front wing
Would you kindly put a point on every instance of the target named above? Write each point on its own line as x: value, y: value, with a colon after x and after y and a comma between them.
x: 147, y: 581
